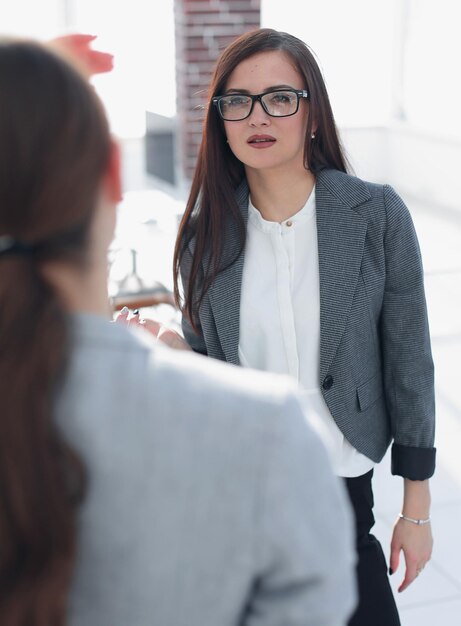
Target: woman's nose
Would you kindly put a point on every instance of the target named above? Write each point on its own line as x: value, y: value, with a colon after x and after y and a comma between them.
x: 258, y: 115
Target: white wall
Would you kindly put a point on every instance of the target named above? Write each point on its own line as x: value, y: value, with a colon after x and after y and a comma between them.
x: 42, y: 19
x: 426, y: 166
x: 419, y: 164
x: 432, y: 66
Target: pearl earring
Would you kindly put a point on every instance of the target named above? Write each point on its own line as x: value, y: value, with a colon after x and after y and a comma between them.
x: 313, y: 136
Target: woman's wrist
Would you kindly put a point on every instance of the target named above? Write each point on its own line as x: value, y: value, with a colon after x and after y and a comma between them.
x: 417, y: 499
x: 414, y: 520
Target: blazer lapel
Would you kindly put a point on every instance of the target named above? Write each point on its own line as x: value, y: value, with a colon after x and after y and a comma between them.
x: 225, y: 290
x: 341, y: 236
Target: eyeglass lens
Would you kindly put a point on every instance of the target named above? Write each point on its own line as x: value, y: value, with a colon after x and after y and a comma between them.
x: 275, y: 103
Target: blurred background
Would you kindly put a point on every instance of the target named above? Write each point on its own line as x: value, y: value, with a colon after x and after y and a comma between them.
x: 391, y: 68
x: 392, y: 72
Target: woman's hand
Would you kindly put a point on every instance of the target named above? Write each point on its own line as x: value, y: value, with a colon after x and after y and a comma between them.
x: 416, y: 543
x: 415, y: 540
x: 76, y: 48
x: 162, y: 333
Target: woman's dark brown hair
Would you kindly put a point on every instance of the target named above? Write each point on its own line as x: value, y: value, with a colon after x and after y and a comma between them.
x: 211, y: 206
x: 54, y: 148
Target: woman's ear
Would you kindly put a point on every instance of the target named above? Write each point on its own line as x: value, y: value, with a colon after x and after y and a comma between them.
x: 112, y: 182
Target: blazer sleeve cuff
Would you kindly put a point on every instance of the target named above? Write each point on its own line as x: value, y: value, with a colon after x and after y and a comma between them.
x: 413, y: 463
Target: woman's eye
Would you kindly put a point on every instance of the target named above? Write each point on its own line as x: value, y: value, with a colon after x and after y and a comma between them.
x: 237, y: 101
x: 280, y: 98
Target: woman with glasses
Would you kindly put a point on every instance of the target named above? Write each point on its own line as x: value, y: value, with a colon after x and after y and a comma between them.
x: 292, y: 265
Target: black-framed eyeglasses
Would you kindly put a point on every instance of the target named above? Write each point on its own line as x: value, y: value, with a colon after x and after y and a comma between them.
x: 280, y: 103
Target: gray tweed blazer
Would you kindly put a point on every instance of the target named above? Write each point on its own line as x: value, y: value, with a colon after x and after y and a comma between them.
x: 376, y: 368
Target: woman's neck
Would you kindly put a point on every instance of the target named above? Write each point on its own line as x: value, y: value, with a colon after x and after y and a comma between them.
x: 279, y: 195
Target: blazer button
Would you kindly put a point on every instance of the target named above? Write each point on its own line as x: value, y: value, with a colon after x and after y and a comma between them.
x: 327, y: 382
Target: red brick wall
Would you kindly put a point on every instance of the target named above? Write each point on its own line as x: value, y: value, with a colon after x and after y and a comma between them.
x: 203, y: 28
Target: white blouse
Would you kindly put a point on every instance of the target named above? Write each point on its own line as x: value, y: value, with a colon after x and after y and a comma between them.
x: 280, y: 316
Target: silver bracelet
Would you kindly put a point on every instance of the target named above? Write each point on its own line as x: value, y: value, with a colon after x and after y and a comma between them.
x: 419, y: 522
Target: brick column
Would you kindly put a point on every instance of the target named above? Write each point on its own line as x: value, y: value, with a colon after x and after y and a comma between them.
x: 203, y: 28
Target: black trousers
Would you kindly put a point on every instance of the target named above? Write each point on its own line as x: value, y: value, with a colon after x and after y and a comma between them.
x: 376, y: 602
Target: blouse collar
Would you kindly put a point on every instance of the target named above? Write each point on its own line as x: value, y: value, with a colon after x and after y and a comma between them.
x: 256, y: 219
